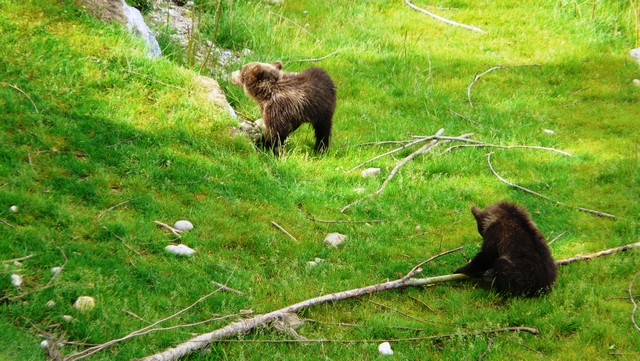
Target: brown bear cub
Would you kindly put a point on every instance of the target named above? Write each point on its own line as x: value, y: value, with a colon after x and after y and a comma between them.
x: 514, y: 259
x: 287, y: 100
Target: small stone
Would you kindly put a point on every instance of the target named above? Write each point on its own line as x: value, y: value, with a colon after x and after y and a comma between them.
x: 318, y: 260
x: 51, y: 304
x: 549, y: 131
x: 312, y: 263
x: 67, y: 318
x: 183, y: 225
x: 13, y: 209
x: 84, y: 303
x: 636, y: 82
x: 180, y: 250
x: 635, y: 54
x: 370, y: 172
x: 334, y: 239
x: 44, y: 344
x: 385, y: 349
x: 56, y: 270
x: 16, y: 280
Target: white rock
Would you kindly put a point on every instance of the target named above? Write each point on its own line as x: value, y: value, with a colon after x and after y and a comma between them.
x: 312, y: 263
x: 44, y: 344
x: 318, y: 260
x: 56, y: 270
x: 180, y: 250
x: 635, y: 54
x: 183, y: 225
x: 334, y: 239
x: 636, y: 82
x: 16, y: 280
x: 67, y: 318
x: 549, y: 131
x: 370, y: 172
x: 84, y: 303
x: 385, y: 348
x: 13, y: 208
x: 51, y: 303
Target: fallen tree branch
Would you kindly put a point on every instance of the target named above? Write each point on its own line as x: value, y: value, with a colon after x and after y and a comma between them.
x: 497, y: 67
x: 176, y: 232
x: 19, y: 259
x: 586, y: 210
x: 109, y: 209
x: 284, y: 231
x: 597, y: 254
x: 395, y: 170
x: 450, y: 22
x: 635, y: 304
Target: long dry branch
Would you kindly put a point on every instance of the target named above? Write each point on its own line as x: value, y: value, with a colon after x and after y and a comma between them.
x: 437, y: 17
x: 586, y: 210
x: 635, y: 304
x: 243, y: 326
x: 497, y: 67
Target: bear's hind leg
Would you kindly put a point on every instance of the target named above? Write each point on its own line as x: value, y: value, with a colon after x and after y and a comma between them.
x: 323, y: 135
x: 478, y: 265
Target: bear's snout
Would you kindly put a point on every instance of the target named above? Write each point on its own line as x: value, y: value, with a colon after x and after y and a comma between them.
x: 236, y: 79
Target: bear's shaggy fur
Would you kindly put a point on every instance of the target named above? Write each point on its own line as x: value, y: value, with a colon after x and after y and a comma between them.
x: 287, y: 100
x: 514, y: 258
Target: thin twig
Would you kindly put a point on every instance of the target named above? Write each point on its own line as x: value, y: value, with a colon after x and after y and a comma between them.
x: 111, y: 208
x: 450, y: 22
x: 313, y: 60
x: 478, y: 76
x: 395, y: 170
x: 404, y: 146
x: 422, y: 303
x: 284, y: 231
x: 134, y: 315
x: 635, y: 304
x: 557, y: 237
x: 484, y: 354
x: 18, y: 259
x: 176, y: 232
x: 400, y: 312
x: 488, y: 145
x: 15, y: 87
x: 597, y: 213
x: 296, y: 24
x: 417, y: 268
x: 66, y: 260
x: 7, y: 223
x: 226, y: 288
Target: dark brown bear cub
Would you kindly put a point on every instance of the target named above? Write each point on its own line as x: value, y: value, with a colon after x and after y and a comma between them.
x: 287, y: 100
x: 514, y: 258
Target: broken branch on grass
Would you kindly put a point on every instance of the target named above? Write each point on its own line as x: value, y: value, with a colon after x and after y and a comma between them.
x: 497, y: 67
x: 484, y: 354
x: 582, y: 257
x: 440, y: 18
x: 313, y: 60
x: 6, y: 223
x: 557, y: 237
x: 284, y: 231
x: 111, y: 208
x: 586, y: 210
x: 635, y: 304
x: 241, y: 327
x: 176, y: 232
x: 395, y: 170
x: 15, y: 87
x: 488, y: 145
x: 225, y: 288
x: 19, y: 259
x: 418, y: 269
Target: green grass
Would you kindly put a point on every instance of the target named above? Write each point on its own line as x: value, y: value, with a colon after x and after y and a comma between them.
x: 114, y: 128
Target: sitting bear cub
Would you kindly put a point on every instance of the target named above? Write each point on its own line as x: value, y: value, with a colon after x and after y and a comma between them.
x: 287, y: 100
x: 514, y: 258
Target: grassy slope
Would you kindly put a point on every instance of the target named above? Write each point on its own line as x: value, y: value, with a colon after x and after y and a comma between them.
x: 105, y: 134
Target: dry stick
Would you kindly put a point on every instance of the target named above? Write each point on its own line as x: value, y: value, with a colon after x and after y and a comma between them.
x: 395, y: 170
x: 243, y: 326
x: 111, y: 208
x: 478, y: 76
x: 635, y: 304
x: 227, y: 289
x: 597, y: 213
x: 482, y: 355
x: 15, y: 87
x: 400, y: 312
x: 314, y: 60
x: 284, y: 231
x: 17, y: 259
x: 404, y: 146
x: 417, y: 268
x: 173, y: 230
x: 450, y: 22
x: 66, y: 260
x: 557, y: 237
x: 134, y: 315
x: 92, y: 350
x: 488, y: 145
x: 311, y: 218
x: 7, y: 223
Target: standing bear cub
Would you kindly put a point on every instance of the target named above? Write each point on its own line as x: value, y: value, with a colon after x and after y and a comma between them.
x: 514, y: 258
x: 287, y: 100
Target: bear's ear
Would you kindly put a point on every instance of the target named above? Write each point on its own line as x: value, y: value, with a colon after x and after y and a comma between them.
x: 277, y: 64
x: 477, y: 213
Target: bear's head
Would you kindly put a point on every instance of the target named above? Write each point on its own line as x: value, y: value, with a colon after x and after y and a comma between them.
x: 257, y: 78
